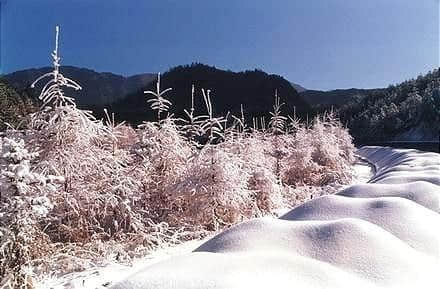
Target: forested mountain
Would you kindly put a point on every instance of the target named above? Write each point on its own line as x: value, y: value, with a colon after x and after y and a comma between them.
x: 229, y: 90
x: 337, y: 97
x: 13, y: 105
x: 407, y: 111
x: 99, y: 89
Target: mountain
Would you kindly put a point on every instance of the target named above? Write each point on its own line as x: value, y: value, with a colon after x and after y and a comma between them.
x: 98, y: 88
x: 334, y: 97
x: 298, y: 87
x: 409, y: 111
x: 229, y: 90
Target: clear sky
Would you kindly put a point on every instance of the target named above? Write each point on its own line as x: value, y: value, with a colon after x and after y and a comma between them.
x: 320, y: 44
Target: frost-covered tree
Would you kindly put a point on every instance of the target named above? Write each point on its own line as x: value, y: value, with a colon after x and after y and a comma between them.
x: 211, y: 126
x: 159, y: 103
x: 277, y: 120
x: 52, y: 92
x: 192, y: 124
x: 277, y: 125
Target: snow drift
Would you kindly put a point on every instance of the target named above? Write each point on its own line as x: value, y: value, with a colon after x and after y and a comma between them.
x: 384, y: 234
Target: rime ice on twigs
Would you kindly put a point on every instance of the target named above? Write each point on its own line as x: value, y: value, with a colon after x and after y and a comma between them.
x: 159, y: 102
x: 52, y: 91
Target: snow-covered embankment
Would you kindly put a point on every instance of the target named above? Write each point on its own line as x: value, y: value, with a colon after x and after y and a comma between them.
x: 384, y: 234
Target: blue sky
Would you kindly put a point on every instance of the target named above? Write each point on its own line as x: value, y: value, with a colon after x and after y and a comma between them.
x: 320, y: 44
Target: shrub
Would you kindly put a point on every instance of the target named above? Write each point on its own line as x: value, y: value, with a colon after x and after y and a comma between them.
x: 320, y: 155
x: 212, y: 191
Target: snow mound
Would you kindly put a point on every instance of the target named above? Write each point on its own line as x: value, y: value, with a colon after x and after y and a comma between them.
x: 242, y: 270
x: 398, y: 166
x: 423, y: 193
x: 405, y: 219
x: 385, y: 234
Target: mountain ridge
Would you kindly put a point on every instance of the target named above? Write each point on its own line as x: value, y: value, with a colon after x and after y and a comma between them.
x: 335, y: 97
x: 299, y: 88
x: 254, y: 89
x: 99, y: 88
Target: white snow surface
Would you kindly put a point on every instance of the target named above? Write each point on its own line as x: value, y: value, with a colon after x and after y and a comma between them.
x: 380, y: 234
x: 102, y: 277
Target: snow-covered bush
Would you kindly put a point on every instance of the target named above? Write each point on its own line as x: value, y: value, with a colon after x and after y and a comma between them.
x: 164, y: 148
x: 267, y: 190
x: 18, y: 176
x: 213, y: 190
x: 298, y: 167
x: 22, y: 242
x: 319, y: 155
x: 333, y: 149
x: 256, y: 152
x: 161, y: 159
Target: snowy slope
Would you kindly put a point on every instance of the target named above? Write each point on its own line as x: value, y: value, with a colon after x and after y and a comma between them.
x: 384, y: 234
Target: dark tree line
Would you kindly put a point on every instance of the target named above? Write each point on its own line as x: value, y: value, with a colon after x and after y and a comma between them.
x: 383, y: 114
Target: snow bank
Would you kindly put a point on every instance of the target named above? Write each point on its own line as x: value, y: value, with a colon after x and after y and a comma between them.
x: 405, y: 219
x: 385, y: 234
x: 420, y: 192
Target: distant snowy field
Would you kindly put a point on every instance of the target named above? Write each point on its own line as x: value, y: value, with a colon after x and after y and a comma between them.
x: 383, y: 231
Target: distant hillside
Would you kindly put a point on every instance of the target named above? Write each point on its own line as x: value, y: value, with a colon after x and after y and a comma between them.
x: 13, y: 106
x: 253, y: 89
x: 98, y: 88
x: 409, y: 111
x: 334, y: 97
x: 298, y: 87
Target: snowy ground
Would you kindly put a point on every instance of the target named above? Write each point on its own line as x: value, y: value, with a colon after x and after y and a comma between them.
x: 363, y: 172
x: 103, y: 277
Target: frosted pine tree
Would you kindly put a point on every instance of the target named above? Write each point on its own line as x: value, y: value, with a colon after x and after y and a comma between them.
x: 159, y: 102
x: 52, y: 91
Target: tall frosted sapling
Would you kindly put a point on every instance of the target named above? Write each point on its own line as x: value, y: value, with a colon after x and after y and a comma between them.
x: 158, y: 102
x: 52, y: 91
